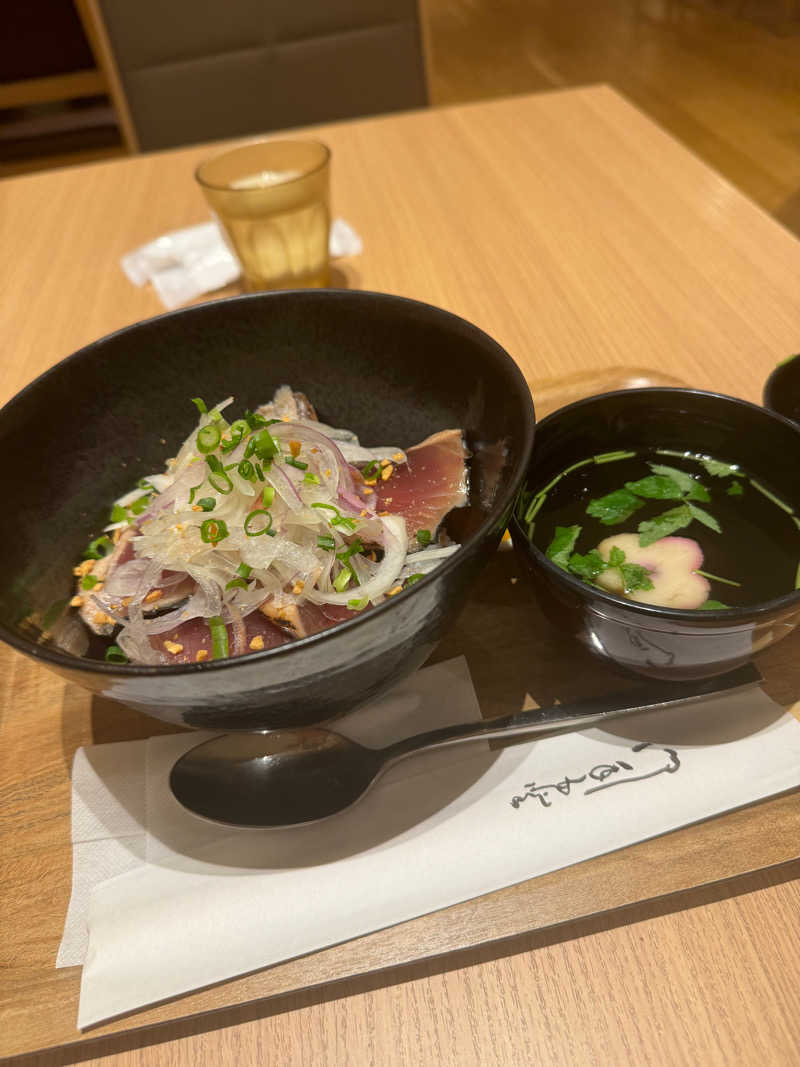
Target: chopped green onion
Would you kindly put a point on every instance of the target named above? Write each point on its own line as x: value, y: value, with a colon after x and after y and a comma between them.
x: 236, y: 583
x: 218, y: 479
x: 216, y: 416
x: 118, y: 514
x: 114, y: 654
x: 200, y: 405
x: 144, y: 484
x: 244, y: 571
x: 89, y: 581
x: 207, y: 503
x: 357, y: 605
x: 259, y: 472
x: 351, y: 549
x: 413, y: 578
x: 239, y: 429
x: 253, y: 420
x: 208, y: 437
x: 424, y: 537
x: 342, y: 579
x: 338, y: 519
x: 371, y: 469
x: 212, y: 531
x: 267, y: 496
x: 230, y: 466
x: 295, y: 463
x: 323, y: 541
x: 100, y: 547
x: 191, y: 494
x: 246, y: 470
x: 219, y: 637
x: 248, y: 524
x: 310, y: 479
x: 139, y: 505
x: 264, y: 445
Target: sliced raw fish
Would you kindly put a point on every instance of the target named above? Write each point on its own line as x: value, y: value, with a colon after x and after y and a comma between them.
x: 431, y: 483
x: 182, y: 644
x: 302, y: 620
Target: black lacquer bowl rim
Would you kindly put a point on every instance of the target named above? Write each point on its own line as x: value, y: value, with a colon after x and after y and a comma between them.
x: 731, y: 616
x: 787, y: 368
x: 504, y: 500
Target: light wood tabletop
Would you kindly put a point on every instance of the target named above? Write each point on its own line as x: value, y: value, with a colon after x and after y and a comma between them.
x: 582, y: 237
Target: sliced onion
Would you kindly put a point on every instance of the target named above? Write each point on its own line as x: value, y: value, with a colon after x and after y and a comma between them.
x: 284, y: 486
x: 238, y: 630
x: 196, y: 607
x: 395, y: 543
x: 312, y: 438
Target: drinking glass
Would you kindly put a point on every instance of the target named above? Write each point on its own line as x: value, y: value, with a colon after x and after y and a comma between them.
x: 272, y: 201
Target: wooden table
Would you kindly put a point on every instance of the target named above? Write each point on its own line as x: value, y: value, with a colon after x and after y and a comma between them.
x: 579, y: 235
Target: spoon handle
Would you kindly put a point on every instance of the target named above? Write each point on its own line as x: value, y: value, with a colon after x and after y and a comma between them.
x: 562, y: 719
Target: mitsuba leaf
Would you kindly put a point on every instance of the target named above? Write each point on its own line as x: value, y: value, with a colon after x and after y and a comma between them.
x: 587, y: 567
x: 616, y: 557
x: 634, y: 577
x: 704, y: 517
x: 689, y: 486
x: 720, y: 470
x: 663, y: 525
x: 560, y: 548
x: 614, y: 507
x: 713, y: 605
x: 656, y: 487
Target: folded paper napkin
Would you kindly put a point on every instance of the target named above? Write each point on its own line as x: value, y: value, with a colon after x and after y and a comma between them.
x: 172, y: 903
x: 184, y: 264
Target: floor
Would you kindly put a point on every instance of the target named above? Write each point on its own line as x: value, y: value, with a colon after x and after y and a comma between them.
x: 723, y: 77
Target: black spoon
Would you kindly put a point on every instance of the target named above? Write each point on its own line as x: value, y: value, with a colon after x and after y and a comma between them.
x: 291, y: 777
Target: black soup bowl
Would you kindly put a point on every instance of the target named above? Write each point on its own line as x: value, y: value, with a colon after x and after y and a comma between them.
x: 393, y: 370
x: 648, y: 640
x: 782, y: 389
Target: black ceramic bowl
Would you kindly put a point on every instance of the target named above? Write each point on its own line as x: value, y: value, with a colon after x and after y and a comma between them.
x: 654, y: 641
x: 782, y: 389
x: 391, y: 369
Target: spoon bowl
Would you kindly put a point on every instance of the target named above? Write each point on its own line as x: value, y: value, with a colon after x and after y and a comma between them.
x: 280, y: 778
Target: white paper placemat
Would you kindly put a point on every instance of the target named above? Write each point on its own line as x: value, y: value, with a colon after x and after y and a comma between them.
x: 209, y: 904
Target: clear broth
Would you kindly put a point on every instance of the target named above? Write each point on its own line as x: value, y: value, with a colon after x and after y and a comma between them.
x: 759, y: 545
